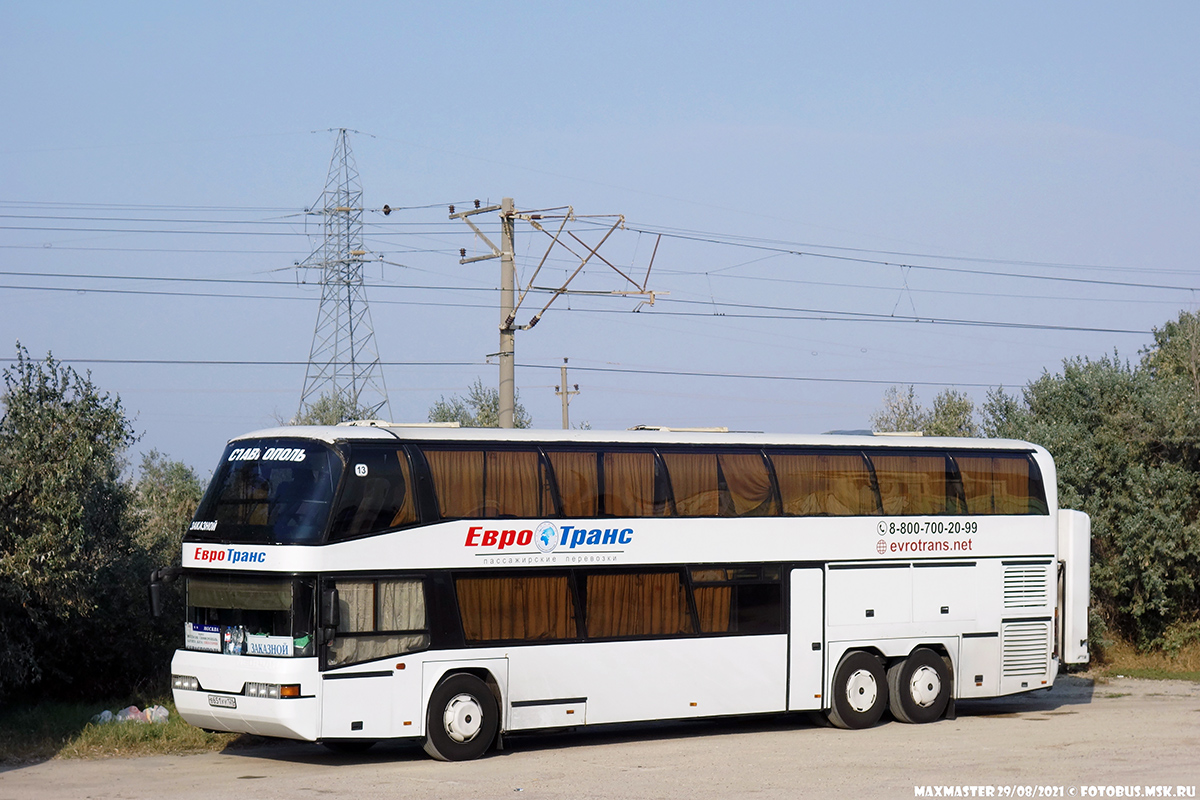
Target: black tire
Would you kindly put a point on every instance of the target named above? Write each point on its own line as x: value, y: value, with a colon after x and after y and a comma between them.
x: 860, y: 692
x: 919, y: 687
x: 349, y: 746
x: 463, y: 719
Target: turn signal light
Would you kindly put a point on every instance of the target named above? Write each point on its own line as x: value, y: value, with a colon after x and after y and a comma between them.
x: 289, y: 690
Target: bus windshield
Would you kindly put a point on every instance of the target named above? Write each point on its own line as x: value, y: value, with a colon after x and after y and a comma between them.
x: 237, y: 615
x: 269, y: 491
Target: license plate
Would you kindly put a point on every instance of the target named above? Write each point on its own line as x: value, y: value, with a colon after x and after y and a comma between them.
x: 222, y: 701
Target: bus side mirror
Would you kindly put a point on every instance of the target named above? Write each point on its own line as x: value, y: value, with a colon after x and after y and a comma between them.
x: 157, y: 578
x: 331, y: 616
x: 155, y: 599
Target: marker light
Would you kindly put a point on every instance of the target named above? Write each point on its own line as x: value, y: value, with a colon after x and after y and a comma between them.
x: 185, y: 682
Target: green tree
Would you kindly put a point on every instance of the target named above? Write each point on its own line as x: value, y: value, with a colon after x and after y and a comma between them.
x: 953, y: 413
x: 63, y: 549
x: 901, y: 411
x: 479, y: 409
x: 1122, y: 457
x: 330, y: 409
x: 164, y: 499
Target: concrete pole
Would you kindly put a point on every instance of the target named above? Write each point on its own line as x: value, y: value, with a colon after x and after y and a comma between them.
x: 508, y: 280
x: 566, y: 419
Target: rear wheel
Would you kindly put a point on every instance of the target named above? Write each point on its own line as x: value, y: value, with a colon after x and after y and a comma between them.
x: 463, y: 719
x: 919, y: 687
x: 860, y: 691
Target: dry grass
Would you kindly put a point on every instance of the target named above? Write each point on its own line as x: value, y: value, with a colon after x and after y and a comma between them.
x: 1122, y: 658
x: 65, y: 730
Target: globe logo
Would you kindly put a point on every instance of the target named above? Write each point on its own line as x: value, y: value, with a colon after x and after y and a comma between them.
x: 546, y: 537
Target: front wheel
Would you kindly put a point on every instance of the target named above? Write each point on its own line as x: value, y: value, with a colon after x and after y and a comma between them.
x: 860, y: 692
x: 463, y: 719
x: 919, y: 686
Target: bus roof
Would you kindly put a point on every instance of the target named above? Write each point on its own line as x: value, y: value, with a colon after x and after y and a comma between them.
x: 382, y: 431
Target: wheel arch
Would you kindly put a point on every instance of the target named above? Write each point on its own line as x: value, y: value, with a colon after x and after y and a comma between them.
x: 492, y: 672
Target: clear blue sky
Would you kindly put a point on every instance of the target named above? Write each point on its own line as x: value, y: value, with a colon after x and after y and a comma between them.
x: 1052, y: 140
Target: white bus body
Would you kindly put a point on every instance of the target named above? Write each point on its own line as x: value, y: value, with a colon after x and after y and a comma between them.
x: 454, y: 629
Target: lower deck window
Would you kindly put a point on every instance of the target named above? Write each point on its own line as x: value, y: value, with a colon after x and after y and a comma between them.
x: 379, y: 618
x: 525, y: 608
x: 635, y: 604
x: 738, y: 599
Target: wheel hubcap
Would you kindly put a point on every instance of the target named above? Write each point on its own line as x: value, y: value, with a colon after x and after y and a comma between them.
x: 925, y: 686
x: 861, y: 690
x: 462, y: 718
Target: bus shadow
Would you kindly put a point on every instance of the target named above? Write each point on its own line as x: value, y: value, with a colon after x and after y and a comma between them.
x: 1067, y: 691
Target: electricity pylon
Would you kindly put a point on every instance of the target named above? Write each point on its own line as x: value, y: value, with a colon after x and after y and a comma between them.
x: 343, y: 362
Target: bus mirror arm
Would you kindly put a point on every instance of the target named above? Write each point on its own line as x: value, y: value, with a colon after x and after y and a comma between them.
x: 157, y: 578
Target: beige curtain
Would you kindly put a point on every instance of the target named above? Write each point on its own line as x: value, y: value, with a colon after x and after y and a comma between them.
x: 629, y: 484
x: 577, y: 478
x: 651, y: 604
x: 457, y: 481
x: 911, y: 484
x: 749, y: 484
x: 513, y: 488
x: 995, y: 484
x: 399, y: 605
x: 529, y: 608
x: 406, y: 510
x: 820, y: 484
x: 713, y: 604
x: 694, y: 482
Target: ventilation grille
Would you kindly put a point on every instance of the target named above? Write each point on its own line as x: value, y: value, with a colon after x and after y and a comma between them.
x: 1025, y: 586
x: 1026, y: 649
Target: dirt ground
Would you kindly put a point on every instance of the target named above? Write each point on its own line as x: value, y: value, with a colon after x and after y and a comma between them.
x: 1123, y: 733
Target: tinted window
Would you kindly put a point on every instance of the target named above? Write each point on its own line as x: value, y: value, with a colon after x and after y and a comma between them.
x: 1005, y: 483
x: 913, y: 483
x: 377, y: 493
x: 489, y: 483
x: 516, y: 608
x: 744, y: 599
x: 635, y: 604
x: 824, y: 484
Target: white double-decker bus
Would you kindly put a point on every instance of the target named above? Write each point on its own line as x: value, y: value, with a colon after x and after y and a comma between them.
x: 368, y: 582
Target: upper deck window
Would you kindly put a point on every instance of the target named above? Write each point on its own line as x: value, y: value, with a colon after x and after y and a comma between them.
x: 377, y: 493
x: 1002, y: 483
x: 474, y: 483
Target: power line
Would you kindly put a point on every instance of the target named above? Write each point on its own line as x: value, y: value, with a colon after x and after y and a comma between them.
x: 620, y: 370
x: 798, y: 314
x: 879, y: 262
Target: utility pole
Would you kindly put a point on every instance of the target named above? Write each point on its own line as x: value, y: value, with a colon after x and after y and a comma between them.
x: 508, y: 339
x: 566, y: 395
x: 510, y: 304
x: 343, y: 362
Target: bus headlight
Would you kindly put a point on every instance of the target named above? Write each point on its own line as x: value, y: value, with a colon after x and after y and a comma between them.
x: 186, y: 682
x: 273, y: 691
